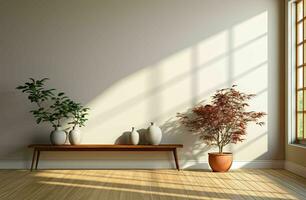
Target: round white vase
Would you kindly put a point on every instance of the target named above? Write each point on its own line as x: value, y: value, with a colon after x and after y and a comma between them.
x: 58, y: 136
x: 154, y: 134
x: 134, y: 137
x: 75, y: 136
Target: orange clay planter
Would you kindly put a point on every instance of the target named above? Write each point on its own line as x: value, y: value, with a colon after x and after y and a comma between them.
x: 220, y: 162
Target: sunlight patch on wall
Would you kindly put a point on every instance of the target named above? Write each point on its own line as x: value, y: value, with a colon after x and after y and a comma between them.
x: 250, y: 71
x: 250, y: 56
x: 250, y: 29
x: 141, y: 97
x: 237, y: 55
x: 212, y: 48
x: 212, y: 77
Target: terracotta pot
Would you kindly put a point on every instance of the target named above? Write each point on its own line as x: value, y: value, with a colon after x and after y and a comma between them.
x: 220, y: 162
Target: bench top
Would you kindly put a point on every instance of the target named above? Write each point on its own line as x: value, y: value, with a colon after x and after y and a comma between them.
x: 105, y: 146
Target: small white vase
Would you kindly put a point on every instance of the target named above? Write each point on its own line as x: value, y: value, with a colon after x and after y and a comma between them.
x: 154, y: 134
x: 134, y: 137
x: 58, y: 136
x: 75, y: 136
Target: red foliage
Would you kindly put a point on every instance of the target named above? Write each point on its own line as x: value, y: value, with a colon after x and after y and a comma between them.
x: 223, y: 121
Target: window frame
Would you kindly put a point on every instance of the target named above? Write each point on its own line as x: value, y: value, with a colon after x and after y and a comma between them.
x: 292, y: 72
x: 299, y: 45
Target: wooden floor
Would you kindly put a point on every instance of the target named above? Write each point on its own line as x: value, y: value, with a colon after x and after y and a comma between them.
x: 150, y: 184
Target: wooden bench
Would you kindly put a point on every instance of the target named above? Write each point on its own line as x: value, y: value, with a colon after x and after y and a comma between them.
x: 37, y: 148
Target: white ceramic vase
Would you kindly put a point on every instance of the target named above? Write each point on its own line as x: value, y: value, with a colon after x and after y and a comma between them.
x: 75, y: 136
x: 134, y: 137
x: 154, y: 134
x: 58, y: 136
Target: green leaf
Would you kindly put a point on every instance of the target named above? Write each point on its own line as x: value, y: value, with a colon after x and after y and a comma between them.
x: 44, y: 79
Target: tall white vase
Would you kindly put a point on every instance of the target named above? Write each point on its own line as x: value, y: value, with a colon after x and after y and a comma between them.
x: 58, y: 136
x: 154, y: 134
x: 134, y: 137
x: 75, y: 136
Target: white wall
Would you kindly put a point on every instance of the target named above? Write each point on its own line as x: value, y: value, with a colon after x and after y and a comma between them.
x: 133, y: 62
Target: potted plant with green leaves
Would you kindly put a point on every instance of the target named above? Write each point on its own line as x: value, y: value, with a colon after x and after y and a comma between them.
x: 51, y: 107
x: 78, y: 114
x: 222, y: 122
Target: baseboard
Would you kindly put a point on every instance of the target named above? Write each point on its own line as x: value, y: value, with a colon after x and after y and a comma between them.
x: 14, y: 164
x: 134, y: 164
x: 295, y: 168
x: 255, y: 164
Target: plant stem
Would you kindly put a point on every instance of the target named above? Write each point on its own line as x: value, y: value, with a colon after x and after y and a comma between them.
x: 221, y: 148
x: 74, y: 125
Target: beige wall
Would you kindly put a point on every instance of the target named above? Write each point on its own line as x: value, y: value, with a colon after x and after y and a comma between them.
x: 133, y: 62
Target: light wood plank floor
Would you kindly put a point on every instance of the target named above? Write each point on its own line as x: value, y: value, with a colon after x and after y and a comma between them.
x: 150, y: 184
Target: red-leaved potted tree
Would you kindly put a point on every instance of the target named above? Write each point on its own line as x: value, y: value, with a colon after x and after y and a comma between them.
x: 222, y: 122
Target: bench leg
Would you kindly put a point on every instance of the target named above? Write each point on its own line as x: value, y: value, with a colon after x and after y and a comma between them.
x: 33, y: 158
x: 37, y: 159
x: 176, y: 159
